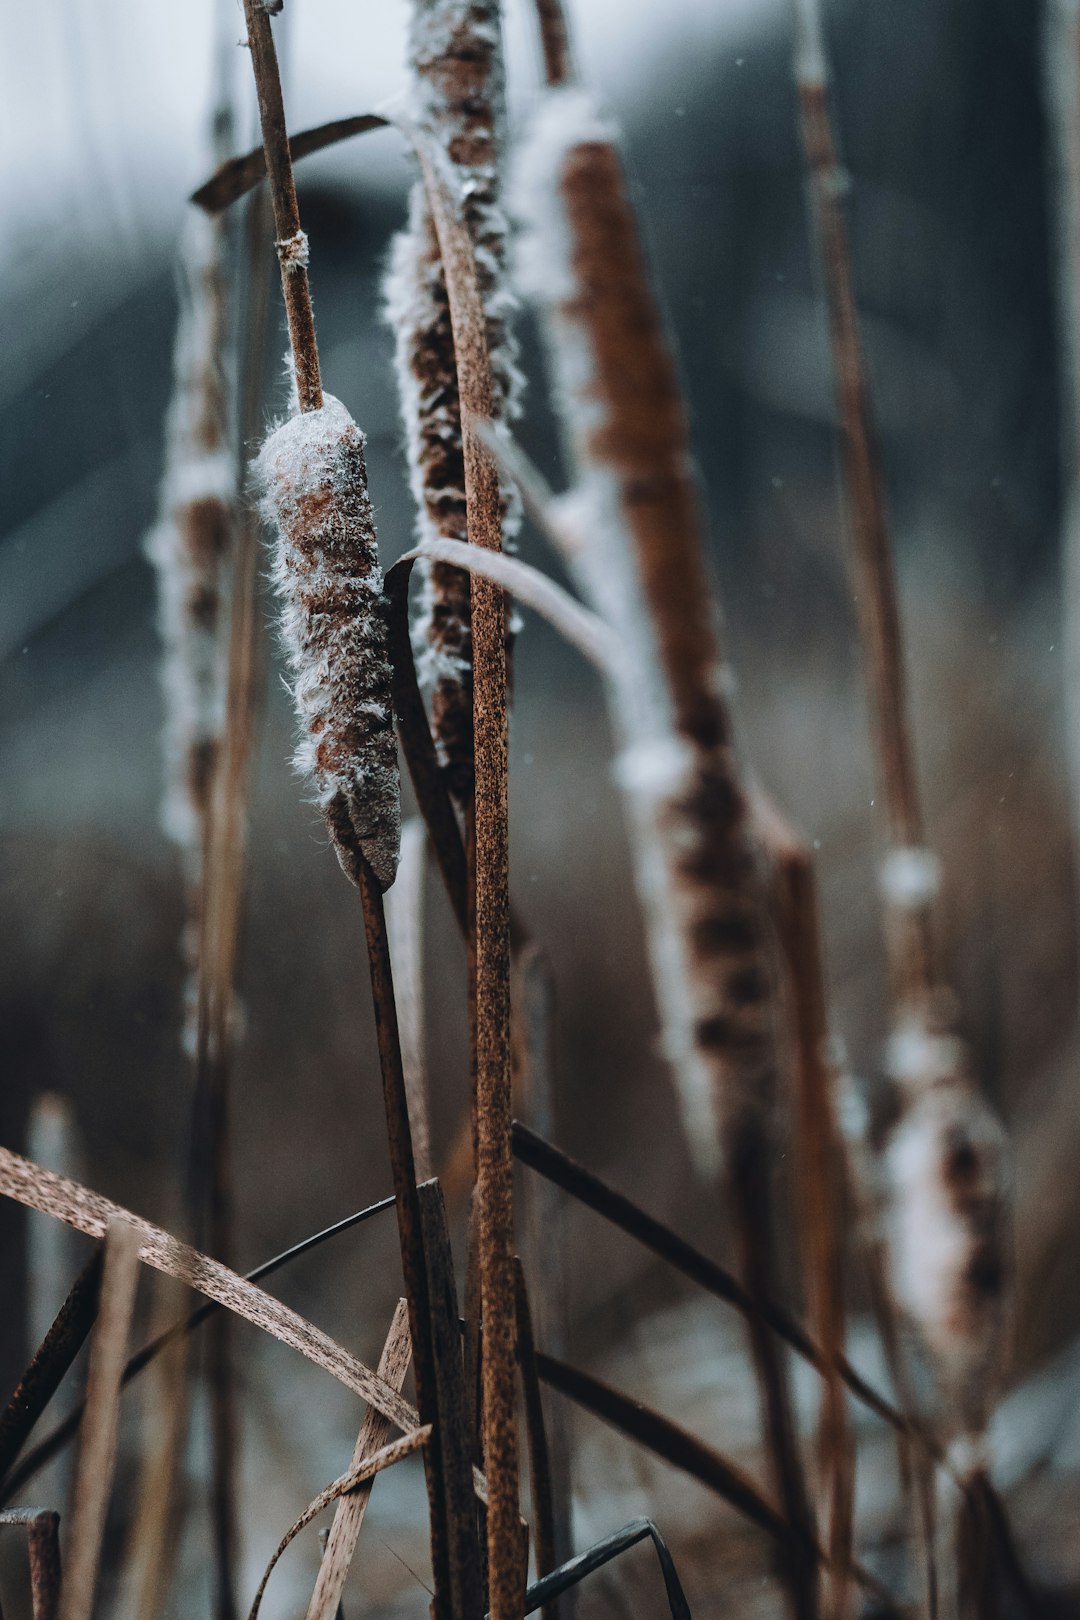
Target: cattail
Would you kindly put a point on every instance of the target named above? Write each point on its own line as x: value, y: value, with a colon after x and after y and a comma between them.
x: 946, y: 1173
x: 313, y: 483
x: 456, y: 55
x: 190, y: 544
x: 642, y: 561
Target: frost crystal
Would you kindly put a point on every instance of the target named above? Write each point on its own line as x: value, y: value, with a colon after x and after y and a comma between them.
x: 313, y: 482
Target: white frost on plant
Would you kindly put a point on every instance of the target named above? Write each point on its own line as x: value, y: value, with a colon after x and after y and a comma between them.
x: 910, y: 877
x: 918, y: 1057
x: 457, y: 96
x: 564, y: 118
x: 947, y: 1178
x: 313, y: 482
x: 294, y: 252
x: 189, y: 544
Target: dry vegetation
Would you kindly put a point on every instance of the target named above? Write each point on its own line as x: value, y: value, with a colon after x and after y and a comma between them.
x: 895, y: 1197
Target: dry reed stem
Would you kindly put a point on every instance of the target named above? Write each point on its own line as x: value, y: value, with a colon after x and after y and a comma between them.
x: 554, y: 42
x: 908, y: 906
x: 237, y: 176
x: 354, y: 1480
x: 152, y: 1533
x: 492, y: 911
x: 645, y: 569
x: 405, y: 931
x: 43, y: 1548
x: 818, y: 1175
x: 51, y: 1361
x: 96, y: 1457
x: 454, y: 1436
x: 291, y: 242
x: 579, y: 626
x: 457, y: 98
x: 349, y: 1517
x: 543, y: 1504
x: 543, y: 1594
x: 1062, y: 70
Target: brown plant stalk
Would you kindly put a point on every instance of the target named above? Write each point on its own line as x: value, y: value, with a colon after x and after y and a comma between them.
x: 491, y: 908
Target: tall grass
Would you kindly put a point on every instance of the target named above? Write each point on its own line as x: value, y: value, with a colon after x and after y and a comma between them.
x: 728, y: 902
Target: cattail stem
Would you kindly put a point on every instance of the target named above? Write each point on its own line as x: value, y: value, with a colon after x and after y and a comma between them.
x: 491, y: 918
x: 909, y: 922
x: 291, y: 241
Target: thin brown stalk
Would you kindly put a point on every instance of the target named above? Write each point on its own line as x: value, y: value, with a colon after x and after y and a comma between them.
x: 492, y: 910
x: 358, y: 1476
x: 454, y: 1435
x: 237, y: 176
x: 405, y: 927
x: 578, y: 625
x: 57, y: 1351
x: 152, y: 1535
x: 292, y: 253
x: 909, y: 921
x: 543, y: 1504
x: 818, y: 1178
x: 43, y: 1547
x: 96, y: 1457
x: 349, y: 1517
x: 554, y: 42
x: 291, y: 242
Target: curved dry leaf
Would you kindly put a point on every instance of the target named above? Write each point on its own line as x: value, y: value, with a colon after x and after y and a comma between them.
x: 384, y: 1458
x: 28, y: 1183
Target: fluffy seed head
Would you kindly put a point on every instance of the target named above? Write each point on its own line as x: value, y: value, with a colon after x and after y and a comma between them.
x: 313, y: 483
x: 947, y: 1188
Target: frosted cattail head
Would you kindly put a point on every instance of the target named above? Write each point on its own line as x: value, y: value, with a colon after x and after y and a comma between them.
x: 946, y: 1176
x: 456, y: 55
x: 313, y: 485
x: 191, y: 541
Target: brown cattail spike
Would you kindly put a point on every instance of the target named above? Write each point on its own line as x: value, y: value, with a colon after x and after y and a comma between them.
x: 456, y: 54
x: 313, y: 480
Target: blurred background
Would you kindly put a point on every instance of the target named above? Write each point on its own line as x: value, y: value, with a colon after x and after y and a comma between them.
x: 944, y: 125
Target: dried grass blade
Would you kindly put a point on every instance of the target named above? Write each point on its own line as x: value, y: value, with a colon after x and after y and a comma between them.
x: 573, y: 1178
x: 97, y: 1450
x: 543, y: 1593
x: 234, y: 179
x: 349, y: 1518
x: 65, y: 1431
x: 43, y: 1547
x: 578, y: 625
x: 57, y: 1351
x: 405, y: 927
x: 68, y: 1201
x: 358, y: 1476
